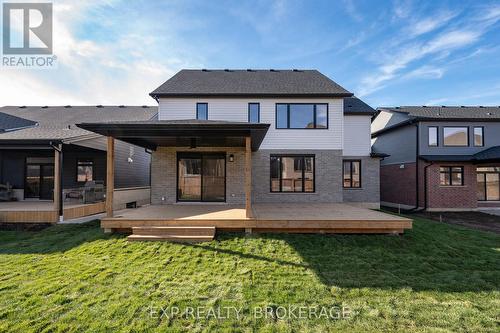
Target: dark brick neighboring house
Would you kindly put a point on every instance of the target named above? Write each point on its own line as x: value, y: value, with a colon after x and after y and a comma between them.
x: 441, y: 158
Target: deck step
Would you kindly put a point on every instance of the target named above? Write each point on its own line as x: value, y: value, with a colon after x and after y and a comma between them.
x: 170, y: 230
x: 171, y: 238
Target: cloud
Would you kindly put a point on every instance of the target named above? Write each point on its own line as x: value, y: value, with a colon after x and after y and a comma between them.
x: 352, y: 11
x: 426, y: 25
x: 401, y: 9
x: 425, y: 72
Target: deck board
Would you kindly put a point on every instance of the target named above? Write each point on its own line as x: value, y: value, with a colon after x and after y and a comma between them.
x: 327, y: 218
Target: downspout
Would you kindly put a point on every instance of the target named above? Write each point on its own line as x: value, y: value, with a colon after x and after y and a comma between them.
x: 425, y: 185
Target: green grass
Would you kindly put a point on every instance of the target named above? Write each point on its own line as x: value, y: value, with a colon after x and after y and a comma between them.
x: 75, y: 278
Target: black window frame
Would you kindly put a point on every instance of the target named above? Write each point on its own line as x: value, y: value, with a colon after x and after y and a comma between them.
x: 314, y: 115
x: 258, y: 111
x: 350, y: 175
x: 429, y: 136
x: 86, y: 161
x: 198, y: 104
x: 468, y: 139
x: 449, y: 172
x: 474, y: 136
x: 280, y: 156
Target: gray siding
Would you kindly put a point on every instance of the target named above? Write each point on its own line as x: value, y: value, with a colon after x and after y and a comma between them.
x: 370, y: 182
x: 400, y: 143
x: 127, y: 174
x: 491, y: 138
x: 387, y: 119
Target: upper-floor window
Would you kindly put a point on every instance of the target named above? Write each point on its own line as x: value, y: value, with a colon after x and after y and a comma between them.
x: 456, y: 136
x: 202, y: 111
x: 301, y: 115
x: 433, y: 136
x: 253, y: 112
x: 478, y: 136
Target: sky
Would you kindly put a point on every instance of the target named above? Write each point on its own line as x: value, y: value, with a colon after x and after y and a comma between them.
x: 388, y: 53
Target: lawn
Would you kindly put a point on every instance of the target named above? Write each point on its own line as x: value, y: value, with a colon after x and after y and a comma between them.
x: 437, y: 277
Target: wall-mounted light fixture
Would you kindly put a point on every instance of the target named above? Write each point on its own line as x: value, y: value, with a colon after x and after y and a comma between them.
x: 231, y: 158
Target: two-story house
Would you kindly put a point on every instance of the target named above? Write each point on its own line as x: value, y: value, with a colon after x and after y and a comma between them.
x: 277, y: 142
x: 441, y: 158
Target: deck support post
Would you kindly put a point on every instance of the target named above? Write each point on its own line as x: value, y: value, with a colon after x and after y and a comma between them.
x: 58, y: 182
x: 110, y: 176
x: 248, y: 177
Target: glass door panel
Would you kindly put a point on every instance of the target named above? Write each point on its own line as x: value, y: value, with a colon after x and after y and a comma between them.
x: 47, y: 182
x: 492, y: 187
x: 189, y: 179
x: 32, y: 181
x: 214, y: 178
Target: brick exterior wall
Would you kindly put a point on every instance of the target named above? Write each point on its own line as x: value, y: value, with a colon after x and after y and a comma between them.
x: 397, y: 185
x: 369, y: 193
x: 328, y: 177
x: 164, y: 174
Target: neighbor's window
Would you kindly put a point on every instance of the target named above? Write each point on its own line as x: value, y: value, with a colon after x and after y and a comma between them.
x: 292, y: 173
x: 84, y: 171
x: 451, y: 176
x: 456, y: 136
x: 478, y: 136
x: 253, y: 112
x: 352, y: 174
x: 433, y: 136
x: 202, y: 111
x: 301, y: 116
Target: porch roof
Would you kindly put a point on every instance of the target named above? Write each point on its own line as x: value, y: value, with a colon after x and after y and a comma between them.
x: 491, y: 154
x: 181, y: 133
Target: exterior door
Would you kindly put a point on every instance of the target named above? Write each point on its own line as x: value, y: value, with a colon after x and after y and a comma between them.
x: 488, y: 183
x: 201, y: 177
x: 39, y: 181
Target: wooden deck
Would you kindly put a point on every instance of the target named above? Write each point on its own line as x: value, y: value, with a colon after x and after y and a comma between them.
x: 300, y: 218
x: 44, y: 211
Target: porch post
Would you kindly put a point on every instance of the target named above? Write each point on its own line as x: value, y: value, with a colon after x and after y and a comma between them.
x: 57, y: 181
x: 248, y: 177
x: 110, y: 176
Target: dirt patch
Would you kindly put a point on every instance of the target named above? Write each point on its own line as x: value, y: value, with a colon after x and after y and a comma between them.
x: 474, y: 220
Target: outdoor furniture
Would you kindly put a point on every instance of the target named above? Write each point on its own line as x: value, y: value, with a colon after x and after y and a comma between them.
x: 6, y: 193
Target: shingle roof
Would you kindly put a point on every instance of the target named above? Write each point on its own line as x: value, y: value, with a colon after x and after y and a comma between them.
x: 492, y: 153
x: 9, y: 122
x: 353, y: 105
x: 58, y: 122
x: 447, y: 112
x: 188, y: 82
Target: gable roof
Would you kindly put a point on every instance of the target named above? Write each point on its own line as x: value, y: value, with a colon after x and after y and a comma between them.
x: 57, y: 123
x: 353, y: 106
x: 447, y: 112
x: 260, y: 83
x: 9, y: 122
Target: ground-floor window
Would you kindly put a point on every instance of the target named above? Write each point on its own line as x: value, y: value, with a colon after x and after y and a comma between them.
x: 201, y: 177
x: 352, y: 174
x: 451, y: 176
x: 292, y: 173
x: 488, y: 183
x: 84, y: 171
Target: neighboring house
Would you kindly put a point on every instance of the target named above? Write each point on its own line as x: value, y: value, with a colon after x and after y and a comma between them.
x: 310, y: 139
x: 35, y: 142
x: 441, y: 158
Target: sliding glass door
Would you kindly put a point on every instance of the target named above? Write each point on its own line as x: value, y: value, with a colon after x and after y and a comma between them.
x: 201, y: 177
x: 488, y: 183
x: 39, y: 179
